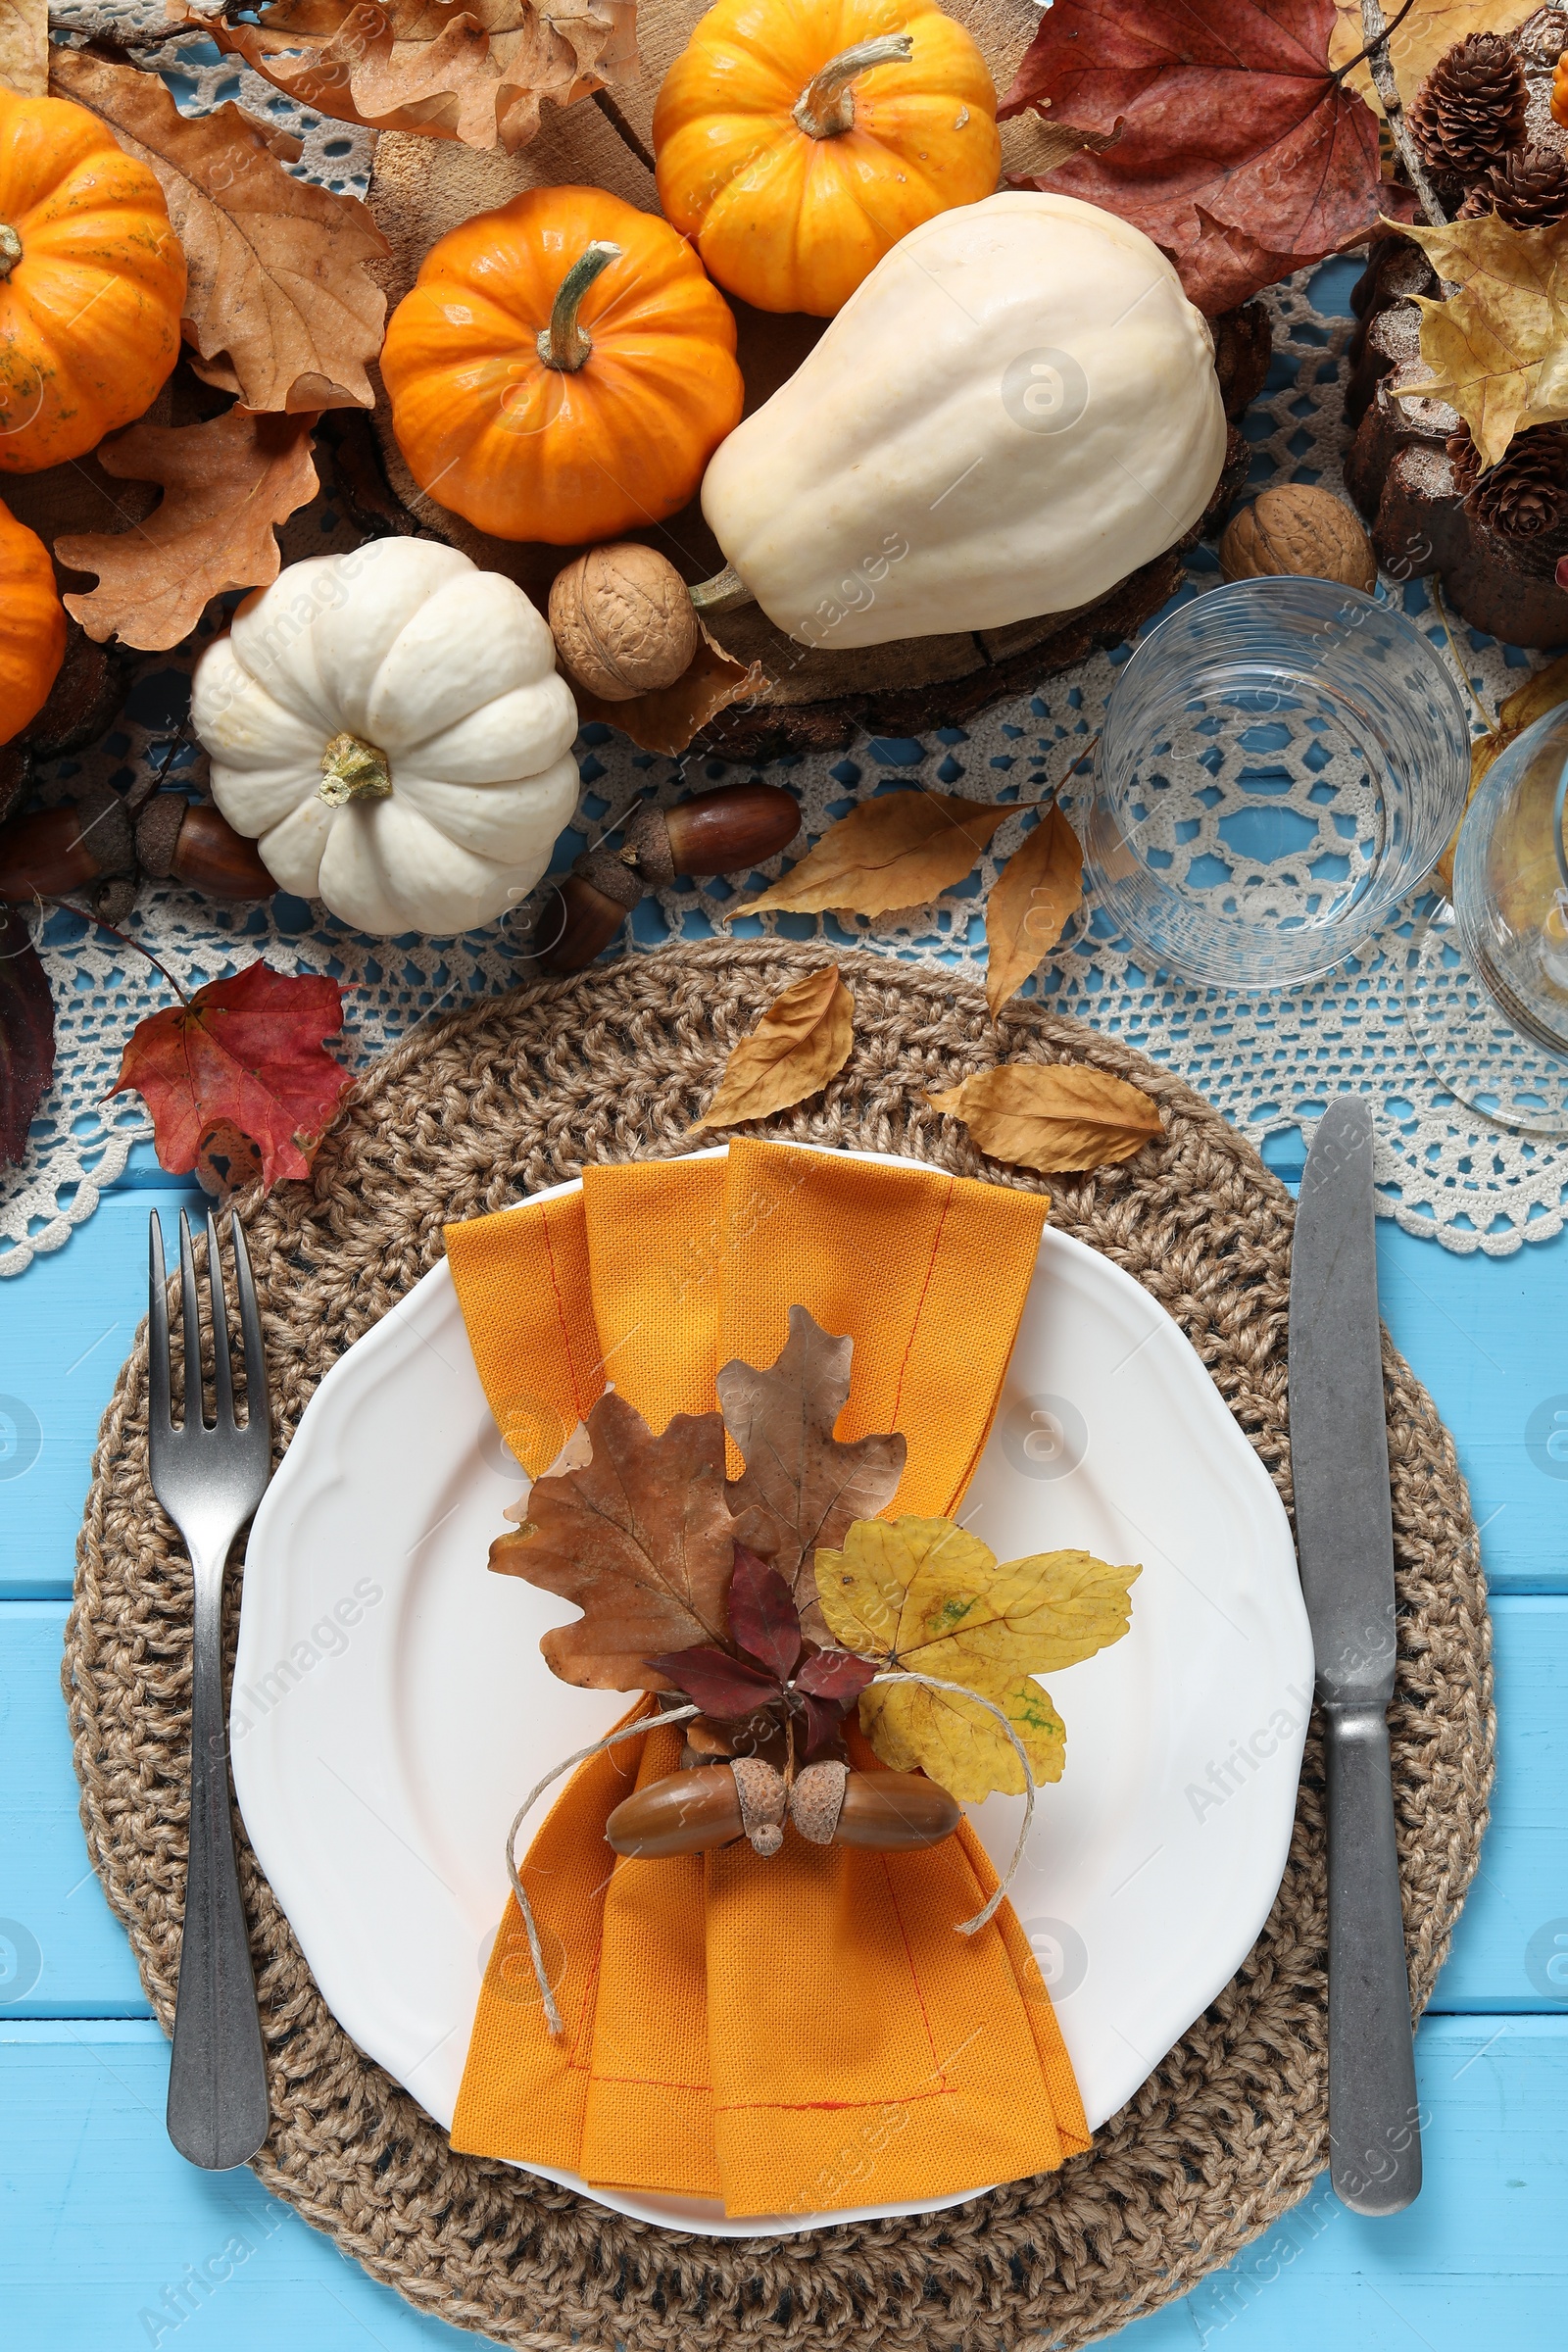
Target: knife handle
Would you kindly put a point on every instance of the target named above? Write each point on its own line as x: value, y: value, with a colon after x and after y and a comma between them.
x: 1374, y: 2119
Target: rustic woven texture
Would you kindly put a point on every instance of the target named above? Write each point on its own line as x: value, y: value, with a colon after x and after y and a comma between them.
x: 515, y: 1094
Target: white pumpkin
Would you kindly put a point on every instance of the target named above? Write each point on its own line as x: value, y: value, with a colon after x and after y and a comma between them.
x: 1015, y: 410
x: 389, y: 727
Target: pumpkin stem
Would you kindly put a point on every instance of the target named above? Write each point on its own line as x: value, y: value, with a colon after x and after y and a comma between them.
x: 352, y: 769
x: 722, y: 593
x: 10, y: 249
x: 564, y: 343
x: 826, y: 104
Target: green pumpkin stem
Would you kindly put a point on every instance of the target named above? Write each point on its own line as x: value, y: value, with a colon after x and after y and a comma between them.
x: 352, y: 769
x: 564, y: 343
x: 826, y: 104
x: 10, y: 249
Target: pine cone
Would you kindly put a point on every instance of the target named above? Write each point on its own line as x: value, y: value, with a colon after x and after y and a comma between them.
x: 1526, y: 492
x: 1528, y: 190
x: 1465, y: 459
x: 1471, y: 109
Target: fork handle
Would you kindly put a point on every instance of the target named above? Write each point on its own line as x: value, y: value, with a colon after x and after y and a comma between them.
x: 218, y: 2103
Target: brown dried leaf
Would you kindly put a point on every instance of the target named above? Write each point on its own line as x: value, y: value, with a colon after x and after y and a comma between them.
x: 667, y: 720
x: 476, y: 71
x: 1039, y: 887
x: 25, y: 47
x: 226, y: 483
x: 1497, y: 348
x: 898, y: 851
x: 1054, y: 1116
x: 278, y: 304
x: 801, y: 1040
x: 800, y: 1487
x: 640, y: 1538
x: 1428, y: 33
x: 1532, y: 701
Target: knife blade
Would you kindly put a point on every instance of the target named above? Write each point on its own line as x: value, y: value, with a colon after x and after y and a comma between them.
x: 1345, y: 1541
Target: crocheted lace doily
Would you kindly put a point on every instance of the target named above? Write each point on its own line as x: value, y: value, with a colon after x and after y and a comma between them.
x: 1269, y: 1062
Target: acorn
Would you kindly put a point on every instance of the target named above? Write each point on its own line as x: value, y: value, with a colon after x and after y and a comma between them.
x: 720, y: 832
x: 81, y: 846
x: 194, y: 842
x: 715, y: 1804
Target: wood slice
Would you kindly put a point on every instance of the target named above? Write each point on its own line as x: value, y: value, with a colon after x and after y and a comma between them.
x: 422, y: 187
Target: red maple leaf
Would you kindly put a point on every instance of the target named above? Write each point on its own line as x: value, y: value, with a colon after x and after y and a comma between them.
x: 1235, y: 147
x: 243, y: 1054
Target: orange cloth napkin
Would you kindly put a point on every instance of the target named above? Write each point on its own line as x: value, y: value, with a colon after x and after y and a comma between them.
x: 804, y: 2032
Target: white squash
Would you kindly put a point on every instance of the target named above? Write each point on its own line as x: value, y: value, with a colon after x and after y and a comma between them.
x: 1015, y: 410
x: 389, y: 727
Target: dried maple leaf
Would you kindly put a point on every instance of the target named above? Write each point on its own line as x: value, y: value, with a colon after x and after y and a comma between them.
x: 802, y: 1487
x: 1054, y: 1116
x: 801, y: 1040
x: 640, y: 1538
x: 243, y: 1054
x: 277, y: 302
x: 1428, y: 31
x: 226, y: 483
x: 1239, y: 152
x: 898, y: 851
x: 1498, y: 348
x: 470, y: 69
x: 924, y: 1596
x: 1039, y: 887
x: 26, y: 1034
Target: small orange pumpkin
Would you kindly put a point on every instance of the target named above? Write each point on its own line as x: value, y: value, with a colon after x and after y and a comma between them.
x: 92, y: 284
x: 561, y: 368
x: 32, y: 625
x: 798, y: 140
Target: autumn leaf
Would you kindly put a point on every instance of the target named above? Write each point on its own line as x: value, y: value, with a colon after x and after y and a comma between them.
x: 640, y: 1538
x: 1498, y: 348
x: 801, y: 1040
x: 665, y: 719
x: 1532, y: 701
x: 226, y: 483
x: 1428, y: 33
x: 25, y: 47
x: 243, y: 1054
x: 472, y: 73
x: 897, y: 850
x: 802, y: 1487
x: 1054, y: 1116
x: 1039, y: 887
x: 1239, y: 152
x: 278, y: 305
x: 26, y: 1034
x: 770, y: 1680
x: 924, y: 1596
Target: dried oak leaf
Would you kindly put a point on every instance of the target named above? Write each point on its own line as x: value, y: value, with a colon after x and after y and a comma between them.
x: 1053, y: 1116
x: 476, y: 71
x: 640, y: 1536
x: 226, y: 483
x: 26, y: 1033
x: 1036, y: 891
x: 1237, y: 152
x: 898, y: 851
x: 665, y: 719
x: 802, y: 1487
x: 924, y: 1596
x: 1543, y: 693
x: 243, y: 1054
x: 1498, y: 348
x: 803, y: 1039
x: 277, y: 302
x: 1430, y: 31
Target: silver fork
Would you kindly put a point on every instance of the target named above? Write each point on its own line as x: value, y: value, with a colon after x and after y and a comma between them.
x: 209, y: 1480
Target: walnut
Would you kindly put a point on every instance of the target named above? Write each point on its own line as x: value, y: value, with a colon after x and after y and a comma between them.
x: 624, y: 621
x: 1298, y: 529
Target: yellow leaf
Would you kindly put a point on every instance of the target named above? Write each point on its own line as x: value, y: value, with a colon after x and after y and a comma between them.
x: 1498, y: 348
x: 895, y: 852
x: 1527, y: 703
x: 1053, y: 1116
x: 801, y: 1040
x: 1428, y: 33
x: 1041, y: 885
x: 957, y: 1742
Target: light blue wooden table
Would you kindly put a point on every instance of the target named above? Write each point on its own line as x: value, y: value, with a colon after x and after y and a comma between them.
x: 103, y: 2230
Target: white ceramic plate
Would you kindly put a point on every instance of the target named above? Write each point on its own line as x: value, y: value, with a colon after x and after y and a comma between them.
x: 391, y: 1707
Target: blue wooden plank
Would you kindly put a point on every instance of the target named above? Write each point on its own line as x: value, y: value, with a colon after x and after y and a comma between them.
x: 110, y: 2233
x: 1503, y: 1952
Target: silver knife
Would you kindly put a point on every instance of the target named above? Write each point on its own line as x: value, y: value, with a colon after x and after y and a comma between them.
x: 1345, y: 1537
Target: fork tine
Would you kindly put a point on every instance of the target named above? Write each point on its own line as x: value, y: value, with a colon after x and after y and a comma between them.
x: 222, y: 1371
x: 250, y: 1323
x: 157, y: 1329
x: 191, y: 1326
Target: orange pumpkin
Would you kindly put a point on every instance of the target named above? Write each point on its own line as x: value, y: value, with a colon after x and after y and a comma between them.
x: 92, y: 284
x: 798, y: 140
x: 561, y: 368
x: 32, y: 625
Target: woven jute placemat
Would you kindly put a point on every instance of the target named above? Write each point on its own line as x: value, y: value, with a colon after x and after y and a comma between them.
x: 515, y: 1094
